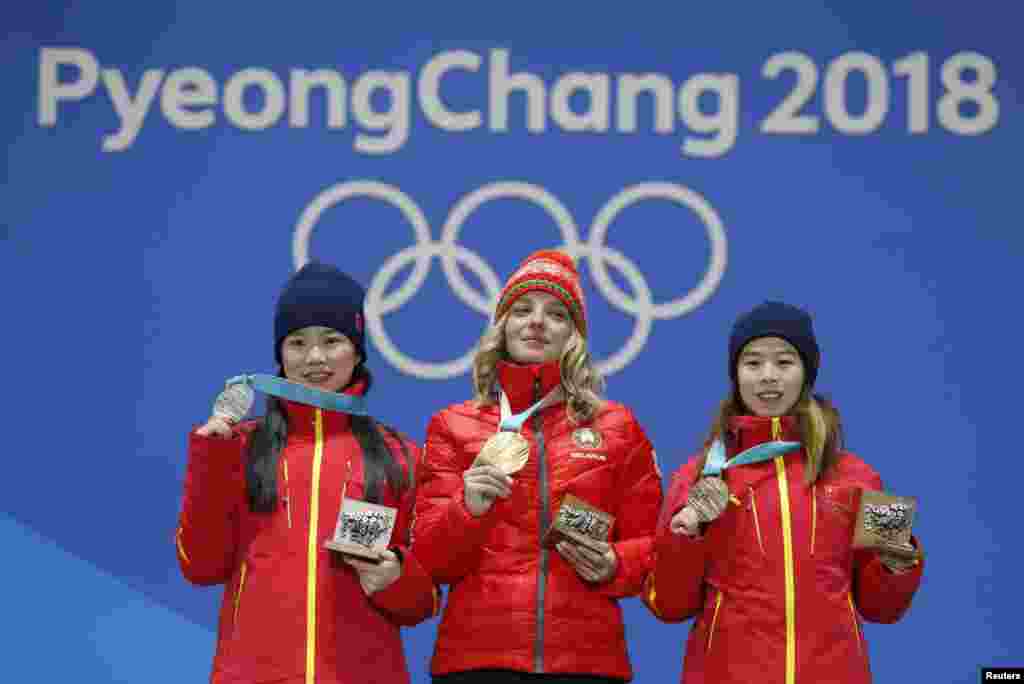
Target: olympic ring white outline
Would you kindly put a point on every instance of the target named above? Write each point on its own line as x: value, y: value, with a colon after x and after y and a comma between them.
x: 642, y: 305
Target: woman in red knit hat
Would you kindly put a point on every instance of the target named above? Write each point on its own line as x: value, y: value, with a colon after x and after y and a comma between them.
x: 522, y: 607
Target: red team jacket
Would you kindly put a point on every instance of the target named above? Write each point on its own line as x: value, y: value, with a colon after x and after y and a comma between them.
x: 514, y: 604
x: 291, y: 612
x: 777, y: 591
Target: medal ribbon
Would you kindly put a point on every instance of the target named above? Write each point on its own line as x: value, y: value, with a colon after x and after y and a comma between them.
x: 716, y: 462
x: 514, y: 423
x: 301, y: 394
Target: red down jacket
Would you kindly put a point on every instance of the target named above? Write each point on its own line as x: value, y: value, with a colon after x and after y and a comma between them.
x: 777, y: 591
x: 290, y: 612
x: 514, y: 604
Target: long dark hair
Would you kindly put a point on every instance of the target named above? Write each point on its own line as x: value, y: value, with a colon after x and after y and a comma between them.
x: 270, y: 437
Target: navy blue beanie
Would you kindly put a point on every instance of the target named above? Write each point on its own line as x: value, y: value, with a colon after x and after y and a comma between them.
x: 777, y: 319
x: 320, y: 294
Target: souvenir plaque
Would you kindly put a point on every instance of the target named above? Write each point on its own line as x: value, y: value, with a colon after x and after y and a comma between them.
x: 363, y: 530
x: 506, y: 450
x: 708, y: 498
x: 581, y: 523
x: 884, y: 523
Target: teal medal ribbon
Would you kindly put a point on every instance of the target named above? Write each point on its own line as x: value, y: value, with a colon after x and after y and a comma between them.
x: 301, y: 394
x: 514, y: 423
x: 716, y: 462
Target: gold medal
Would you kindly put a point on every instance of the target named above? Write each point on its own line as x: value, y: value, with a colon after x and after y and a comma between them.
x: 708, y: 498
x: 506, y: 450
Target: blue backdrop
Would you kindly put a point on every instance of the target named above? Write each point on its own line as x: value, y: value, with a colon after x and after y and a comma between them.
x: 169, y: 165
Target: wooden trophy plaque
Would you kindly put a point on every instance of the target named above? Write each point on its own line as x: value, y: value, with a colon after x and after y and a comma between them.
x: 884, y: 523
x: 581, y: 523
x: 363, y: 530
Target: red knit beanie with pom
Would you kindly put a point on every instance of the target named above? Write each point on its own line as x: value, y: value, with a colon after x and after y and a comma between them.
x: 548, y: 271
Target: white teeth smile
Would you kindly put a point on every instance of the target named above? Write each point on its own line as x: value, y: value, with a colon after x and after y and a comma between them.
x: 770, y: 395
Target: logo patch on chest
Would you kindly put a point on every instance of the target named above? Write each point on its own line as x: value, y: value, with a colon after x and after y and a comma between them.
x: 838, y: 498
x: 587, y: 438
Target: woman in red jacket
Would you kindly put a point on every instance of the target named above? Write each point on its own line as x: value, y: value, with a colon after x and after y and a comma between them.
x: 262, y: 497
x: 519, y: 610
x: 761, y: 555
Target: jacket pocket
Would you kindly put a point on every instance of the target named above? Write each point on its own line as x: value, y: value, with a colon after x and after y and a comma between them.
x: 736, y: 539
x: 752, y: 508
x: 269, y: 618
x: 714, y: 621
x: 238, y: 597
x: 832, y: 521
x: 856, y: 624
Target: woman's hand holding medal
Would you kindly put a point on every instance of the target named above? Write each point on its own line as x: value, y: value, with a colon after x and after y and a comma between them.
x: 489, y: 477
x: 230, y: 407
x: 707, y: 500
x: 216, y: 426
x: 685, y: 522
x: 483, y: 484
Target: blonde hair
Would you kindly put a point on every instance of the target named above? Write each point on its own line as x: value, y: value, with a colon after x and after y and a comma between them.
x: 820, y: 427
x: 581, y: 381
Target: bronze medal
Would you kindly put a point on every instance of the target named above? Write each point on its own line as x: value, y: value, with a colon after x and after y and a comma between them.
x: 708, y: 498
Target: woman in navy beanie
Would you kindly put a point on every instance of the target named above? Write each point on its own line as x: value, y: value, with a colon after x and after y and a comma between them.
x: 262, y: 497
x: 761, y: 553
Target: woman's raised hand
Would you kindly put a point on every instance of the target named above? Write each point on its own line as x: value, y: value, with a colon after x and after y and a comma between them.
x: 685, y: 522
x: 483, y: 484
x: 217, y: 426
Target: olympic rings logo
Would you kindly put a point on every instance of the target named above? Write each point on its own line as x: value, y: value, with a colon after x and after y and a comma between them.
x: 598, y: 255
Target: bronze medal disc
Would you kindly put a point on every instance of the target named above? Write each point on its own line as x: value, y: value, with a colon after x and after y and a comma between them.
x: 708, y: 497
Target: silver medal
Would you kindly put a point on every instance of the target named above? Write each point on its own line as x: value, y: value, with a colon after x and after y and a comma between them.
x: 234, y: 402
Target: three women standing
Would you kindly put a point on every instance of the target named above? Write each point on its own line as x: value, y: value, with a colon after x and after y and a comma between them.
x: 769, y: 571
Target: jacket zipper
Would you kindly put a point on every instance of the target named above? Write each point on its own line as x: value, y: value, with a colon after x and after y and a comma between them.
x: 312, y: 551
x: 538, y: 430
x: 238, y: 598
x: 714, y: 620
x: 787, y: 547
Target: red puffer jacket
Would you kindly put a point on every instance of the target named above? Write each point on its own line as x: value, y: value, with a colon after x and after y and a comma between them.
x: 777, y: 591
x: 291, y: 612
x: 514, y: 604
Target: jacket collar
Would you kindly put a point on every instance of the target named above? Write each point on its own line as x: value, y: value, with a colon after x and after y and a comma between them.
x: 525, y: 384
x: 749, y: 431
x: 302, y: 417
